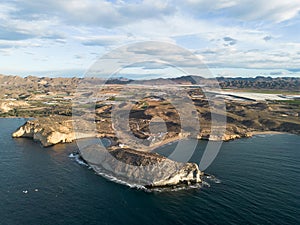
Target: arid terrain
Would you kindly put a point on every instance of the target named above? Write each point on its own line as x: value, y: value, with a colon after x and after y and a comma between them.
x: 145, y: 101
x: 138, y: 117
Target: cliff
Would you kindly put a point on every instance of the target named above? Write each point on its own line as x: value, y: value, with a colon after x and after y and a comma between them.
x: 50, y: 131
x: 134, y: 167
x: 150, y: 170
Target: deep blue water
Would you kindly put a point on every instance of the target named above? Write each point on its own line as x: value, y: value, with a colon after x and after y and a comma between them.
x: 260, y: 184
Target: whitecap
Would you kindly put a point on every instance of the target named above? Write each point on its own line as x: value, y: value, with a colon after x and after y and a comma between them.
x: 118, y: 181
x: 205, y: 184
x: 212, y: 178
x: 78, y: 159
x: 72, y: 155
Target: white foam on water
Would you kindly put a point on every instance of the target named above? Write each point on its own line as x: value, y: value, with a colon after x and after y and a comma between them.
x: 262, y: 135
x: 118, y: 181
x: 72, y: 155
x: 178, y: 188
x: 211, y: 178
x: 78, y: 159
x: 205, y: 184
x: 215, y: 180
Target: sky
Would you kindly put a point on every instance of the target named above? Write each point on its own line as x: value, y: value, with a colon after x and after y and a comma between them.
x: 231, y: 37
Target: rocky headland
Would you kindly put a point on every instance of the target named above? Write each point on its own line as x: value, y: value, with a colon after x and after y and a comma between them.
x: 152, y: 120
x: 141, y: 168
x: 149, y: 170
x: 138, y: 166
x: 52, y: 130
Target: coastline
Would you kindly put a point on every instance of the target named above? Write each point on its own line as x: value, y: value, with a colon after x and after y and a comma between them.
x: 254, y: 133
x: 152, y: 147
x: 52, y: 131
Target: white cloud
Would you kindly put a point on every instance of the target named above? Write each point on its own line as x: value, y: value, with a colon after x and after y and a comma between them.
x: 105, y: 40
x: 275, y: 10
x: 212, y: 29
x: 97, y: 13
x: 282, y: 56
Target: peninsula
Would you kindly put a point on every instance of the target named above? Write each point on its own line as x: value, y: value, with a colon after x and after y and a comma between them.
x: 152, y: 119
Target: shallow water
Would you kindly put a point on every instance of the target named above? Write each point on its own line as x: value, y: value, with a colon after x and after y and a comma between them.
x: 256, y: 181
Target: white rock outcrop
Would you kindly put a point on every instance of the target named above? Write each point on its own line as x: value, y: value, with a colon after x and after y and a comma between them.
x: 50, y: 131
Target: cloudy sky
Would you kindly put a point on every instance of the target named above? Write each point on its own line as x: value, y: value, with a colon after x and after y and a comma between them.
x: 232, y: 37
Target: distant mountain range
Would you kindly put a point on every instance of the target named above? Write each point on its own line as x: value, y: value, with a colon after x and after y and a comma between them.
x: 279, y: 83
x: 265, y: 83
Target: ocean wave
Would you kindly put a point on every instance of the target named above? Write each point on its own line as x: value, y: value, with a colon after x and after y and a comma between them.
x: 262, y: 135
x: 78, y: 159
x: 212, y: 178
x: 118, y: 181
x: 178, y: 188
x: 204, y: 183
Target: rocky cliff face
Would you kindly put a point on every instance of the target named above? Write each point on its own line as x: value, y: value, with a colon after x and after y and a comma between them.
x: 47, y: 135
x: 150, y: 170
x: 50, y: 131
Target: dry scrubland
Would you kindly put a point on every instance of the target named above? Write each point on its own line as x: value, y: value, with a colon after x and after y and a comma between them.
x: 139, y: 117
x: 44, y: 97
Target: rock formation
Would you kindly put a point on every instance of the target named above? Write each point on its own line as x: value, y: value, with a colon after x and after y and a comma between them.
x: 150, y: 170
x: 50, y: 131
x: 6, y: 106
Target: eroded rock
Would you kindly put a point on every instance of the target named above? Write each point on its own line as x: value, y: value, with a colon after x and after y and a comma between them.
x: 140, y: 168
x: 50, y: 131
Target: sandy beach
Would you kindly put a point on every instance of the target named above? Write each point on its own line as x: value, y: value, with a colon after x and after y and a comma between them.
x: 266, y: 132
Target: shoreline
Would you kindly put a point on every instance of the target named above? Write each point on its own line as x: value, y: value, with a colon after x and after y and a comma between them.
x: 254, y: 133
x: 149, y: 148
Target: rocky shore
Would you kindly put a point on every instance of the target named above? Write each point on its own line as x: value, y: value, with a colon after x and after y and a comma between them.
x: 143, y: 116
x: 138, y: 166
x: 130, y: 166
x: 50, y: 131
x: 134, y: 167
x: 149, y: 170
x: 59, y: 129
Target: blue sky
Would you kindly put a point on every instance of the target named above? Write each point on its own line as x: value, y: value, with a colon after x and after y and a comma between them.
x: 232, y: 37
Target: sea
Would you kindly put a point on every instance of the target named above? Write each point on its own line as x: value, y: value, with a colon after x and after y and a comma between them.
x: 251, y: 181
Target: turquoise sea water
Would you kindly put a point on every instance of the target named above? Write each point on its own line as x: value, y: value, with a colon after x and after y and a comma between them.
x: 260, y: 184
